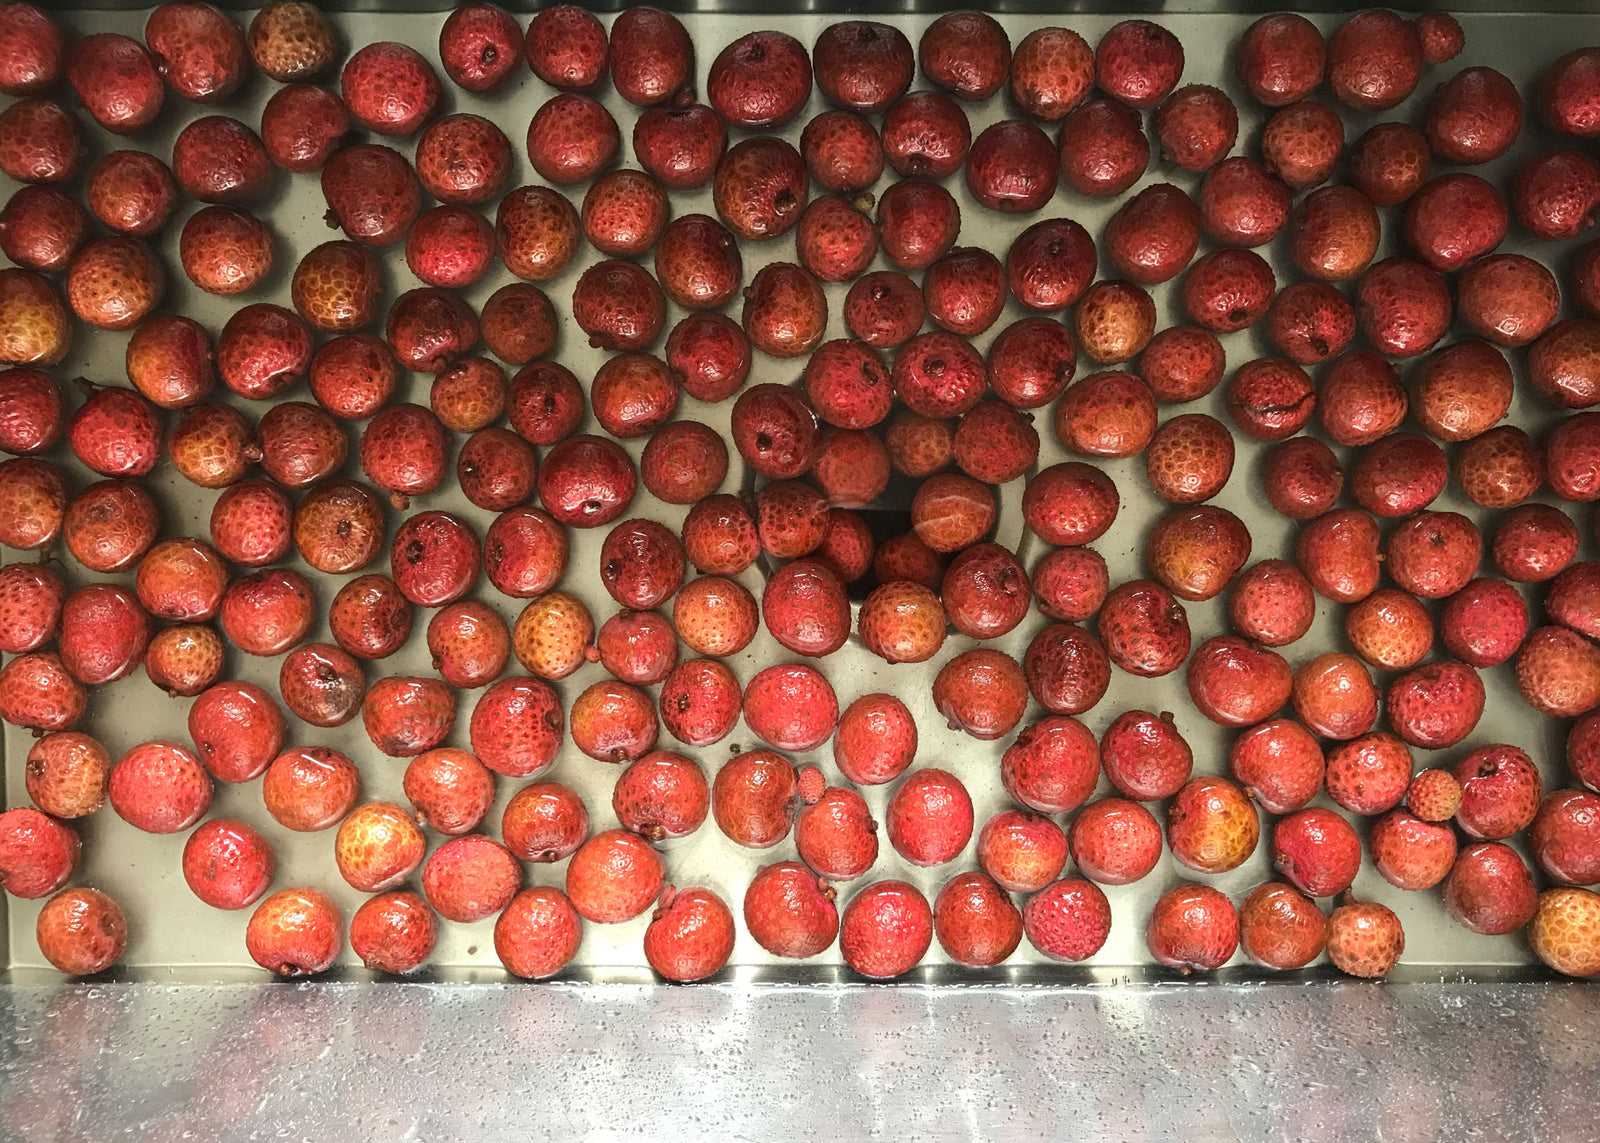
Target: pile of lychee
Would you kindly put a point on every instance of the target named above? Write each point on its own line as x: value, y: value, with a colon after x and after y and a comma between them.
x: 861, y: 489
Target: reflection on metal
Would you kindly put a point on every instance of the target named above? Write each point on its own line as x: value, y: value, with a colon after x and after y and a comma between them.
x: 1146, y: 1064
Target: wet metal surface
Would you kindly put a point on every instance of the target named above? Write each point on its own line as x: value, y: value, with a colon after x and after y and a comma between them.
x: 1142, y: 1064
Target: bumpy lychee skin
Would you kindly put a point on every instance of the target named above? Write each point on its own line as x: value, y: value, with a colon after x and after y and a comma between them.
x: 929, y: 818
x: 370, y: 617
x: 225, y: 251
x: 1436, y: 705
x: 565, y: 45
x: 614, y: 877
x: 372, y: 193
x: 302, y: 126
x: 1558, y: 672
x: 690, y: 936
x: 33, y: 319
x: 700, y: 702
x: 641, y: 564
x: 1434, y: 796
x: 310, y: 788
x: 405, y: 717
x: 613, y: 722
x: 1281, y: 58
x: 1236, y: 684
x: 66, y: 774
x: 322, y: 685
x: 1317, y: 850
x: 1411, y: 853
x: 842, y: 150
x: 790, y: 911
x: 975, y: 921
x: 966, y: 54
x: 34, y: 508
x: 836, y: 835
x: 762, y: 79
x: 1071, y: 584
x: 662, y: 795
x: 37, y: 853
x: 791, y: 707
x: 1022, y: 851
x: 1212, y: 826
x: 1334, y: 695
x: 114, y: 283
x: 924, y: 134
x: 1279, y: 764
x: 32, y: 50
x: 1365, y: 939
x: 1196, y: 551
x: 1475, y: 116
x: 806, y: 608
x: 103, y: 633
x: 31, y: 598
x: 480, y: 46
x: 1115, y: 842
x: 986, y: 591
x: 394, y: 932
x: 1192, y: 927
x: 1144, y: 628
x: 1068, y: 920
x: 1145, y: 756
x: 1500, y: 790
x: 185, y: 659
x: 1490, y: 890
x: 82, y: 932
x: 1374, y: 60
x: 471, y: 878
x: 863, y: 65
x: 378, y: 846
x: 38, y: 693
x: 1067, y: 669
x: 295, y: 932
x: 1534, y: 542
x: 1455, y: 219
x: 1310, y: 322
x: 450, y: 790
x: 886, y: 929
x: 876, y: 740
x: 1272, y: 603
x: 116, y: 80
x: 160, y: 787
x: 291, y: 40
x: 1565, y: 931
x: 32, y: 415
x: 1242, y: 204
x: 1280, y: 927
x: 1402, y: 307
x: 130, y: 192
x: 219, y: 159
x: 518, y: 323
x: 715, y: 616
x: 1564, y: 837
x: 902, y: 622
x: 1362, y: 399
x: 544, y: 822
x: 237, y: 730
x: 982, y: 692
x: 389, y: 88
